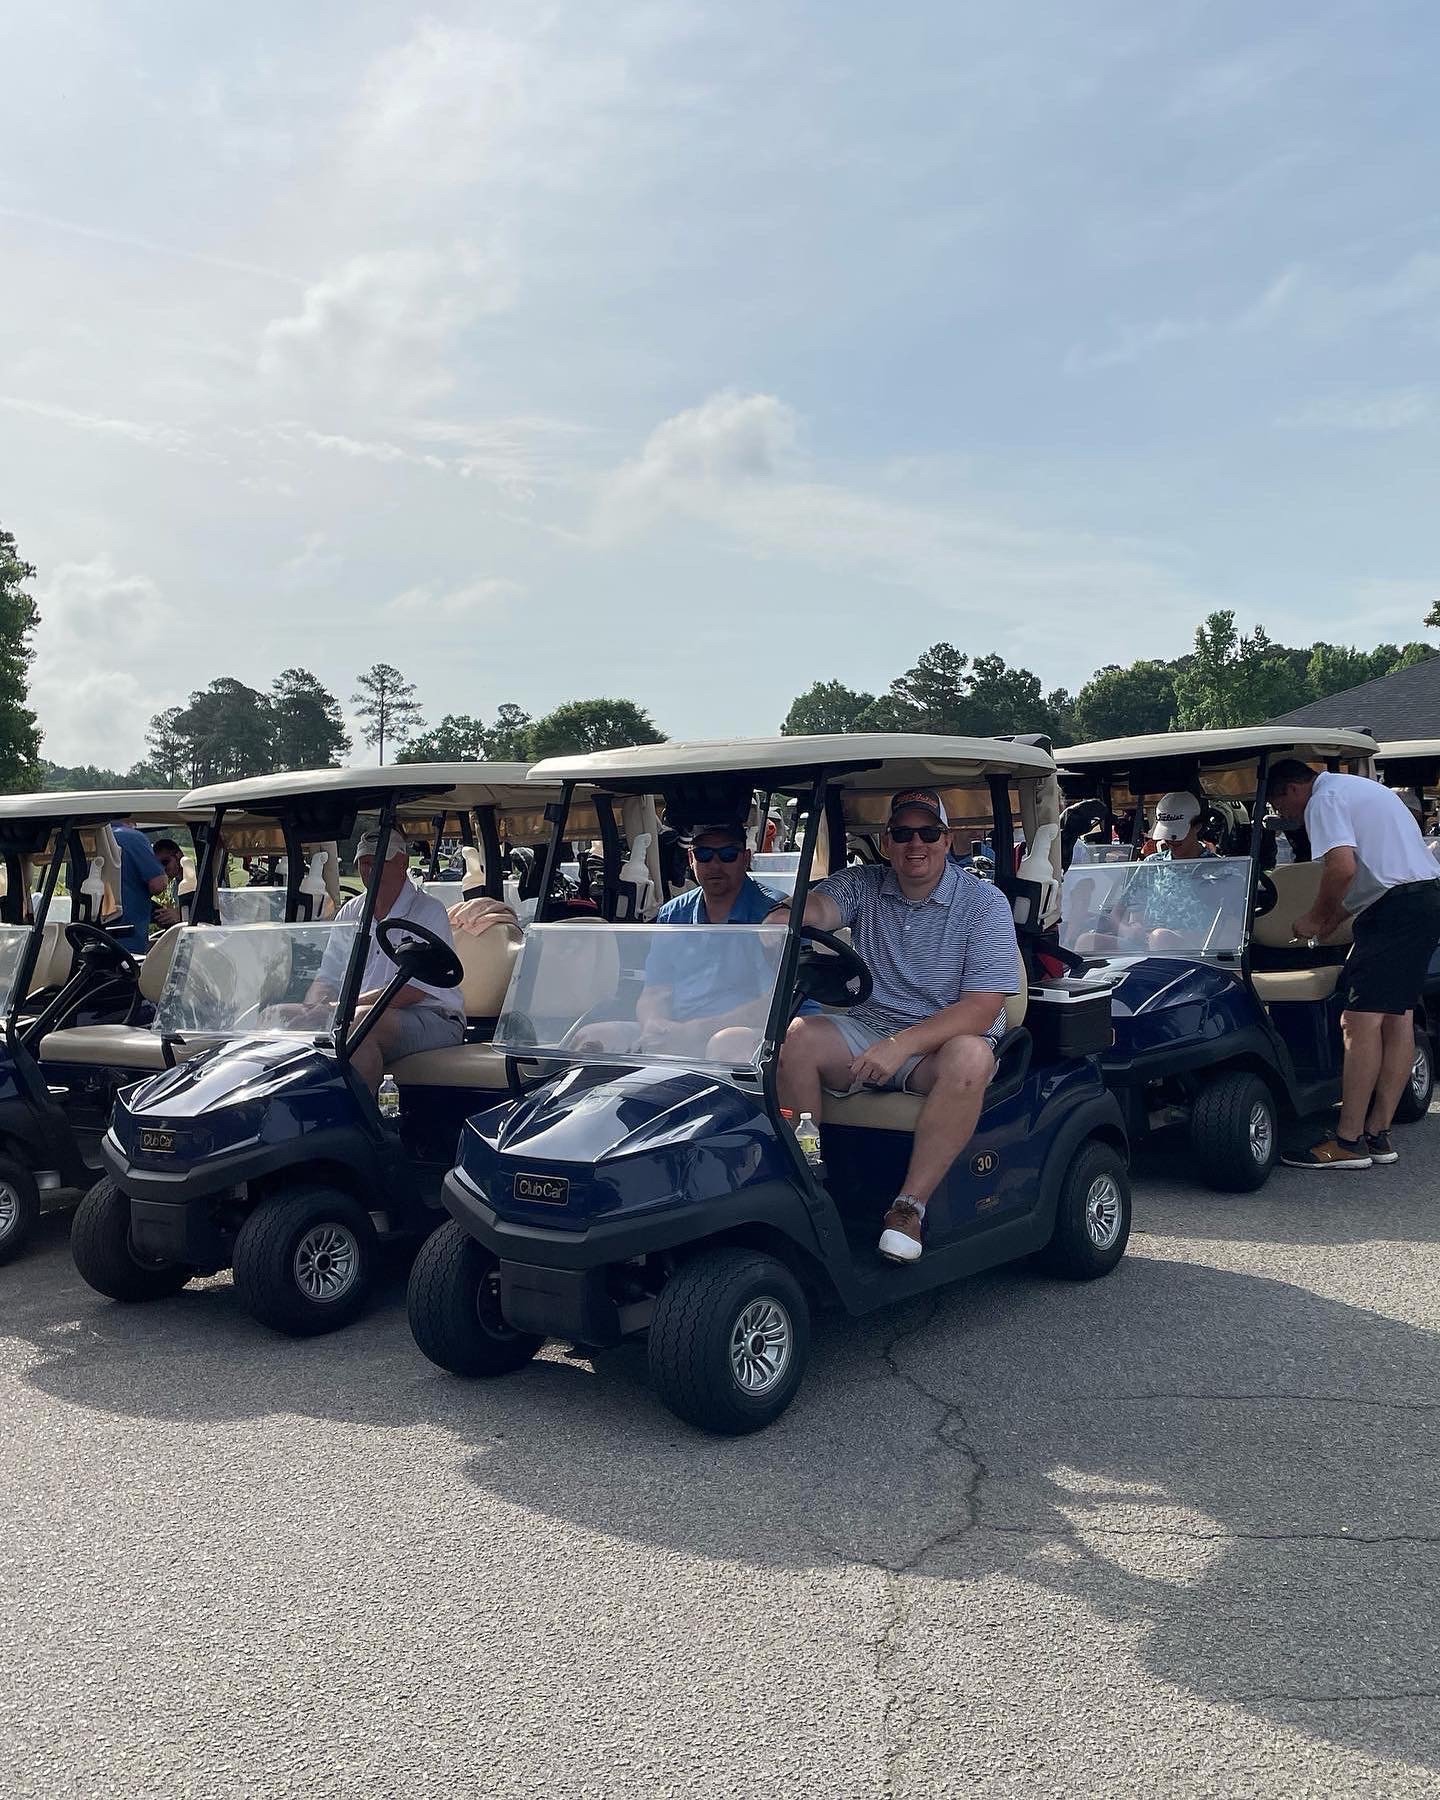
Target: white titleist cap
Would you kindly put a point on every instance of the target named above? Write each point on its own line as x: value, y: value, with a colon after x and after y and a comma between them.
x: 1174, y: 816
x: 370, y: 843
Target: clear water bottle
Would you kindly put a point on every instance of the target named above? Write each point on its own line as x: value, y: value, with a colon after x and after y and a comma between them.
x: 389, y: 1098
x: 807, y: 1135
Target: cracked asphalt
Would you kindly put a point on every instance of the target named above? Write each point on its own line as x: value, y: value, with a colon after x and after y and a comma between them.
x: 1175, y: 1532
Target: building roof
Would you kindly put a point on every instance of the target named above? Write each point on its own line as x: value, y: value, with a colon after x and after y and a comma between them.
x: 1402, y: 705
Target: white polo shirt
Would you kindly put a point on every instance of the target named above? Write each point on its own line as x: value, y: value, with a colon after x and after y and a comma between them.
x: 1373, y: 821
x: 422, y: 909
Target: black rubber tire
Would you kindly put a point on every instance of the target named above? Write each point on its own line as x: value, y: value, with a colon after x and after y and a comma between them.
x: 22, y: 1208
x: 1072, y: 1252
x: 1410, y: 1108
x: 454, y: 1308
x: 695, y: 1316
x: 100, y: 1245
x: 264, y: 1260
x: 1220, y: 1132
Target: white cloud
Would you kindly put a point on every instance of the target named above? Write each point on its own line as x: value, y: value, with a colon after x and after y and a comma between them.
x: 90, y: 681
x: 314, y: 565
x: 380, y: 329
x: 1301, y: 299
x: 1132, y: 343
x: 1395, y: 411
x: 475, y: 600
x: 700, y: 456
x: 149, y: 433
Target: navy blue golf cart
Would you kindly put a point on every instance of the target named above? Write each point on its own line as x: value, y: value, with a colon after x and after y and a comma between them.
x: 61, y: 971
x: 643, y: 1180
x: 1413, y: 767
x: 1224, y: 1023
x: 255, y: 1146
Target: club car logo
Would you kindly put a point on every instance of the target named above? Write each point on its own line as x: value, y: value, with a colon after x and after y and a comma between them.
x: 158, y: 1143
x: 553, y: 1189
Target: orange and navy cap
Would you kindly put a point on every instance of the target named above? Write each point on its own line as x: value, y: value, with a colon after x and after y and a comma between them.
x: 925, y: 798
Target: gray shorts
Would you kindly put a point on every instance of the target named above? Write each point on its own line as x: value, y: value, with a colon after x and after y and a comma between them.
x: 415, y: 1028
x: 860, y: 1037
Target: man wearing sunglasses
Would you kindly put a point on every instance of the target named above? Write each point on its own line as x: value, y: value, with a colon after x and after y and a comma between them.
x: 940, y: 945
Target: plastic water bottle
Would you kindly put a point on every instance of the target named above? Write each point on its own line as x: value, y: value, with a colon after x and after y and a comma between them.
x: 389, y: 1098
x: 807, y: 1135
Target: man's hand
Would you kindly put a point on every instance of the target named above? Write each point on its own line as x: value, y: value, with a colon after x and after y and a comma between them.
x: 664, y: 1034
x: 879, y: 1064
x: 164, y: 916
x: 1310, y: 925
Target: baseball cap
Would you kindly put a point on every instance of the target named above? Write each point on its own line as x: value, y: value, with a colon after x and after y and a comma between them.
x: 370, y: 843
x: 724, y: 828
x: 925, y: 798
x: 1174, y: 816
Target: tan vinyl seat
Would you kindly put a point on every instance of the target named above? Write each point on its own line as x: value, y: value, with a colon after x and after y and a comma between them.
x: 487, y: 961
x: 1297, y: 884
x: 55, y: 959
x: 124, y: 1046
x: 1296, y: 984
x: 872, y: 1111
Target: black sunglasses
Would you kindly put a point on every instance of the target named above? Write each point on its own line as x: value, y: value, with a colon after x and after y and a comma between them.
x: 927, y: 834
x: 704, y: 853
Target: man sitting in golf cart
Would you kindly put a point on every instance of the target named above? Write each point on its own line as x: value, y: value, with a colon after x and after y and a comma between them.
x: 420, y: 1017
x: 940, y: 946
x: 1131, y: 921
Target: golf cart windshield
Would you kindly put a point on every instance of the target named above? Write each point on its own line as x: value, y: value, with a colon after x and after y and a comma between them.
x: 251, y: 905
x: 13, y: 939
x: 1196, y: 908
x: 692, y: 994
x: 232, y: 980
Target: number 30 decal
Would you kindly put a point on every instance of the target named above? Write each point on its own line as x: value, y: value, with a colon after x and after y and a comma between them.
x: 985, y: 1163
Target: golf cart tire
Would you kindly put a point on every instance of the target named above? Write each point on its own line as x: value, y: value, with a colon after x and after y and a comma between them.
x: 1411, y: 1107
x: 697, y: 1315
x: 1220, y: 1133
x: 19, y: 1207
x: 448, y: 1280
x: 100, y: 1246
x: 303, y: 1220
x: 1097, y: 1177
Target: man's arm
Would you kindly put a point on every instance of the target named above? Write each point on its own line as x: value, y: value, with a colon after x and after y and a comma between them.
x: 820, y: 911
x: 1337, y: 873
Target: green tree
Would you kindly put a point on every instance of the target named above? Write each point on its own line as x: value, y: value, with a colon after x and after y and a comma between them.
x: 308, y: 729
x: 457, y: 738
x: 1432, y: 618
x: 508, y: 739
x: 827, y: 707
x: 946, y: 692
x: 227, y: 727
x: 1232, y: 679
x: 581, y: 726
x: 20, y: 732
x: 385, y: 703
x: 1129, y: 702
x: 169, y: 756
x: 82, y: 778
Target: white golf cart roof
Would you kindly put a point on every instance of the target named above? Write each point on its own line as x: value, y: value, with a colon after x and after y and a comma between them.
x: 423, y: 785
x: 883, y: 760
x: 150, y: 806
x: 1404, y: 748
x: 1218, y: 749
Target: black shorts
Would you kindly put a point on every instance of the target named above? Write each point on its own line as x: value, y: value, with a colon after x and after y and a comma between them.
x: 1394, y: 941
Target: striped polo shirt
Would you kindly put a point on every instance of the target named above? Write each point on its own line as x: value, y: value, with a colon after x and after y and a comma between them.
x: 924, y: 955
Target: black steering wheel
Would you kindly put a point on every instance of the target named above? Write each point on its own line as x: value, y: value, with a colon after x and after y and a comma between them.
x: 1267, y: 895
x: 835, y: 974
x: 419, y: 954
x: 97, y: 949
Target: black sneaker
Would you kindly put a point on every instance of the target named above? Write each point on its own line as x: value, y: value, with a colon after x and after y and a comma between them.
x: 1380, y: 1148
x: 1330, y: 1153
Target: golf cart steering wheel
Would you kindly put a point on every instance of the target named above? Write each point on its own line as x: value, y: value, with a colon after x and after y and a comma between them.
x: 837, y: 975
x: 1267, y: 895
x: 100, y: 951
x: 419, y: 954
x: 1214, y: 824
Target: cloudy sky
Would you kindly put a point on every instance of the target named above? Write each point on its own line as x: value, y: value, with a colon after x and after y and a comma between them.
x: 692, y: 351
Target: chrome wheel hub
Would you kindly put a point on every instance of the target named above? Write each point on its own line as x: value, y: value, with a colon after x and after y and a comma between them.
x: 1262, y: 1132
x: 1104, y: 1211
x: 1420, y: 1075
x: 327, y: 1263
x: 760, y: 1346
x: 9, y: 1209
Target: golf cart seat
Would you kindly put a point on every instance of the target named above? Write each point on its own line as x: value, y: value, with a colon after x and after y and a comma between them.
x: 1297, y: 885
x: 53, y: 962
x: 1296, y: 984
x: 875, y: 1111
x: 487, y: 961
x: 124, y: 1046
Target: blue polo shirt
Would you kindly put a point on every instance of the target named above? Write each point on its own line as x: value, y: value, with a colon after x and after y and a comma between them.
x: 139, y: 866
x: 703, y: 988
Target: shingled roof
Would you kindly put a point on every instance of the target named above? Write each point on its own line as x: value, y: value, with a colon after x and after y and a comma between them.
x: 1403, y: 705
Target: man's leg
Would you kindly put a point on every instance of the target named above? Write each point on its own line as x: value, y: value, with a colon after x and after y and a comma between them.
x: 953, y: 1081
x: 814, y: 1056
x: 1363, y: 1052
x: 1397, y: 1058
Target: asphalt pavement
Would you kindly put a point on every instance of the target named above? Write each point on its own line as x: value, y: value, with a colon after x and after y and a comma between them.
x: 1177, y: 1532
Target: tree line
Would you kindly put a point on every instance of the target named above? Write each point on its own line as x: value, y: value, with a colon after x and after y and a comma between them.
x: 1228, y: 679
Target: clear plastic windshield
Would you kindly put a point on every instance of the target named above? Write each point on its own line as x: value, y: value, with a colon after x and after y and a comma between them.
x: 1157, y: 907
x: 251, y: 905
x: 776, y: 869
x: 231, y: 980
x: 13, y: 939
x: 692, y: 994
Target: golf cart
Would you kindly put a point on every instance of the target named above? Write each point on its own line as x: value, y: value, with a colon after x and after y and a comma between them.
x: 631, y: 1184
x: 255, y: 1145
x: 1413, y: 767
x: 61, y: 969
x: 1223, y: 1021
